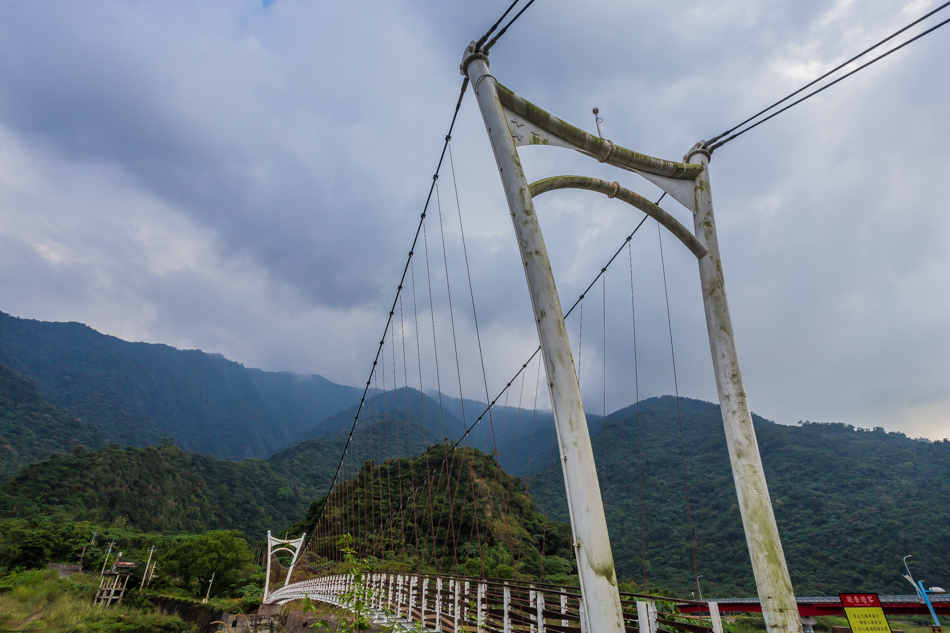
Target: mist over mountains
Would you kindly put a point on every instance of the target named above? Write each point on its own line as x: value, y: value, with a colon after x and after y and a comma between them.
x: 135, y: 394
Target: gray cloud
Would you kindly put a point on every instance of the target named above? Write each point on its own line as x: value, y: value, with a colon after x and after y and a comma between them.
x: 246, y: 179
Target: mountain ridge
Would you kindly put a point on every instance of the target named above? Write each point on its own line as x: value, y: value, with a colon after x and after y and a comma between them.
x: 32, y: 429
x: 137, y: 393
x: 849, y: 503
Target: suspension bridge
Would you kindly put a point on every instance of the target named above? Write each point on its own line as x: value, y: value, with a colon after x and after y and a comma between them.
x: 447, y: 540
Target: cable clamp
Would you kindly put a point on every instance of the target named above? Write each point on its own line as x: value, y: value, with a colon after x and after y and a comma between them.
x: 471, y: 54
x: 616, y: 190
x: 610, y: 150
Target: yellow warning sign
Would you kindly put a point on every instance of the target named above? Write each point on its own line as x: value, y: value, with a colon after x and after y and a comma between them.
x: 864, y: 612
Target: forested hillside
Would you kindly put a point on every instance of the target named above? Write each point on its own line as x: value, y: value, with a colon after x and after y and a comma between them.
x: 474, y: 519
x: 158, y: 489
x: 521, y: 439
x: 164, y: 489
x: 32, y: 429
x: 849, y: 503
x: 317, y: 460
x: 137, y: 393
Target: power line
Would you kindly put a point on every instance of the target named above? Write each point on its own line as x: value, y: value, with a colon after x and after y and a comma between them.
x: 713, y: 145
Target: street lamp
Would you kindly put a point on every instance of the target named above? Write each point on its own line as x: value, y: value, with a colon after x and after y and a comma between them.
x: 923, y: 593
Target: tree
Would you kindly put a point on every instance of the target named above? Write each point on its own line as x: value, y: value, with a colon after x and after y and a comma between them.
x: 221, y: 553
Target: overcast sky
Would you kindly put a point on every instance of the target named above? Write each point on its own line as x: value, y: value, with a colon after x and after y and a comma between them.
x: 246, y: 178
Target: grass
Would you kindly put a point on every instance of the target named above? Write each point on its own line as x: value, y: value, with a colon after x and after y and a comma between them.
x: 911, y: 624
x: 41, y: 600
x: 753, y: 623
x: 229, y: 605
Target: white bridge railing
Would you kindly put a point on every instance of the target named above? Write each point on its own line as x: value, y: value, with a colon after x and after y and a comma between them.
x: 451, y: 605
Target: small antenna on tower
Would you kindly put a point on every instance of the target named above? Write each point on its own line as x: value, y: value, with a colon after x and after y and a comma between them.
x: 598, y: 121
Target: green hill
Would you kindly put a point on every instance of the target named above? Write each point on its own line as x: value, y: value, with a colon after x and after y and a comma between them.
x: 165, y: 489
x: 523, y: 438
x: 396, y: 406
x: 32, y: 429
x: 474, y: 519
x: 157, y: 489
x: 315, y: 462
x: 850, y: 503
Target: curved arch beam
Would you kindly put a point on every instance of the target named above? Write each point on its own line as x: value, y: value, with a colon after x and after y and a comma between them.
x: 614, y: 190
x: 283, y: 549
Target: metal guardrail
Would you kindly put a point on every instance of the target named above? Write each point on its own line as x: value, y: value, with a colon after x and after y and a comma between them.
x: 812, y: 606
x: 443, y: 604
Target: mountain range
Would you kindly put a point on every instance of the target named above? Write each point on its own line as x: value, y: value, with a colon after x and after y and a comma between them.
x: 135, y: 394
x: 850, y: 502
x: 31, y: 429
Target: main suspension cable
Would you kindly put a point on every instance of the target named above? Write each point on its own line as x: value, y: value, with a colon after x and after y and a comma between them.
x: 579, y: 300
x: 712, y: 145
x: 507, y: 26
x: 494, y: 26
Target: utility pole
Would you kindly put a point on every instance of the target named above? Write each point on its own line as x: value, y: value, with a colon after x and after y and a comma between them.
x: 151, y: 574
x: 83, y: 554
x: 106, y: 560
x: 211, y: 582
x: 147, y: 563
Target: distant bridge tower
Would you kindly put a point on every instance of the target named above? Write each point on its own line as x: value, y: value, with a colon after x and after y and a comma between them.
x: 512, y: 121
x: 281, y: 546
